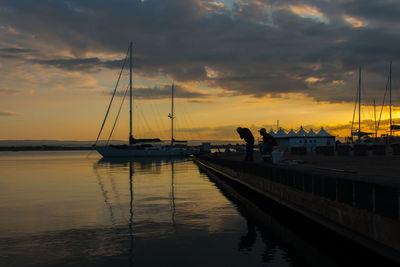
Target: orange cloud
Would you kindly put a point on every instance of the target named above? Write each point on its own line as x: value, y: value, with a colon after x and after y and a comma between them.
x: 337, y: 82
x: 9, y: 113
x: 13, y: 92
x: 354, y: 22
x: 313, y: 79
x: 306, y: 11
x: 9, y: 30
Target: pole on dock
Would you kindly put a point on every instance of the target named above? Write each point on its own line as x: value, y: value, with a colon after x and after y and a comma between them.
x: 376, y: 129
x: 359, y: 106
x: 390, y: 96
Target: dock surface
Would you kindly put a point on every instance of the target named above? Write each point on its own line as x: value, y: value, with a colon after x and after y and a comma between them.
x: 378, y: 168
x: 356, y: 197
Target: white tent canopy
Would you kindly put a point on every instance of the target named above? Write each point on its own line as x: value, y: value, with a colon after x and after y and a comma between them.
x: 301, y: 132
x: 311, y: 133
x: 324, y: 133
x: 291, y: 133
x: 271, y: 132
x: 303, y: 138
x: 281, y: 133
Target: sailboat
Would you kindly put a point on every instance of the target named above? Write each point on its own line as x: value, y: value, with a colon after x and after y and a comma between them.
x: 392, y: 127
x: 181, y: 149
x: 172, y: 117
x: 358, y: 133
x: 138, y: 147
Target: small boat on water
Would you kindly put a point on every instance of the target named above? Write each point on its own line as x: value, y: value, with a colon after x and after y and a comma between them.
x: 138, y: 148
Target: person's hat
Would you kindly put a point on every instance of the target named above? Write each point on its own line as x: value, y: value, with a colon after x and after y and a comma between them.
x: 262, y: 130
x: 239, y: 129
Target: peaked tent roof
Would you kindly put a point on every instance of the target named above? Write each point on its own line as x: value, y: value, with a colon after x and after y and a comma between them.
x: 301, y: 132
x: 271, y: 132
x: 311, y: 133
x: 281, y: 133
x: 322, y: 132
x: 291, y: 133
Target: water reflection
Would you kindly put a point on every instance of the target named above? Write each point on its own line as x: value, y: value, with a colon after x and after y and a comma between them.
x: 257, y: 221
x: 78, y: 211
x: 130, y: 214
x: 151, y: 165
x: 247, y: 241
x: 173, y: 192
x: 287, y: 236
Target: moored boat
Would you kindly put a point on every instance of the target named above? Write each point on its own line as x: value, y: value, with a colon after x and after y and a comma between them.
x: 139, y: 147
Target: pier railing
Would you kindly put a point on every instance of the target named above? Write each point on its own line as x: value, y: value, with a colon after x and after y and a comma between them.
x: 364, y: 209
x: 380, y: 197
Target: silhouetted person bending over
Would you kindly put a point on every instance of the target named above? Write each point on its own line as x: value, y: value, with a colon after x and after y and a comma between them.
x: 246, y: 134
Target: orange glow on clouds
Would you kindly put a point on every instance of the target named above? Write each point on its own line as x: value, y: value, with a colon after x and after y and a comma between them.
x: 306, y: 11
x: 71, y: 106
x: 355, y: 23
x: 313, y: 80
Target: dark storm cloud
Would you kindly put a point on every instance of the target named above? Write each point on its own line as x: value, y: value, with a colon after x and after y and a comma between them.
x: 70, y: 64
x: 255, y: 48
x: 377, y: 10
x: 10, y: 56
x: 14, y: 50
x: 13, y: 92
x: 14, y: 53
x: 164, y: 92
x: 9, y: 113
x: 79, y: 64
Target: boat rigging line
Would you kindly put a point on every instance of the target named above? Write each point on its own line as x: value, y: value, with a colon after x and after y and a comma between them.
x: 116, y: 118
x: 383, y: 101
x: 355, y: 108
x: 390, y: 87
x: 359, y: 106
x: 112, y: 97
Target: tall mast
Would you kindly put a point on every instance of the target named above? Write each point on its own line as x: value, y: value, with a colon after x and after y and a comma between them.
x: 172, y: 114
x: 130, y: 94
x: 390, y: 96
x: 359, y: 105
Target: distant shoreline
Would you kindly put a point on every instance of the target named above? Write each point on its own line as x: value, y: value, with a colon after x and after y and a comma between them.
x: 44, y: 148
x: 63, y: 145
x: 74, y: 148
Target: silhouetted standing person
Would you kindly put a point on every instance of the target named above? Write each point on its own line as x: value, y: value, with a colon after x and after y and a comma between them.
x: 246, y: 134
x: 268, y: 142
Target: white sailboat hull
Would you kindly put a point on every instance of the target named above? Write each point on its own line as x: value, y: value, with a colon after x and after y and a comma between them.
x: 139, y: 151
x: 133, y: 152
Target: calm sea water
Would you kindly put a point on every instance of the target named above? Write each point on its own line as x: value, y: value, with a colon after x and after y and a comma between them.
x: 75, y: 209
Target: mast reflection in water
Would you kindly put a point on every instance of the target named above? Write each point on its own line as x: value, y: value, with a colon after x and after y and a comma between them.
x: 65, y: 209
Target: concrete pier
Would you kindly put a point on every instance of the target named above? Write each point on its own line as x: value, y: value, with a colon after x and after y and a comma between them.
x: 363, y: 208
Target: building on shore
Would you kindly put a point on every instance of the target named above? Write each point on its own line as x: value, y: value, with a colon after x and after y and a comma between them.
x: 310, y: 140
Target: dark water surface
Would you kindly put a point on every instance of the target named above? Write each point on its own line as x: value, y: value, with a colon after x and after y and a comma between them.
x: 71, y: 209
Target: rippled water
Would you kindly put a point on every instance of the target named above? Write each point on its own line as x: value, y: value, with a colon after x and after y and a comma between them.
x: 75, y: 209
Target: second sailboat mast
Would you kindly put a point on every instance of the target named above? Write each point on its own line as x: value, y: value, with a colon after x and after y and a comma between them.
x: 359, y: 105
x: 390, y: 97
x: 130, y: 94
x: 172, y: 114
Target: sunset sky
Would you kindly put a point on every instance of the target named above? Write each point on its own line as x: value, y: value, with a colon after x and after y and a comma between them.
x: 235, y: 63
